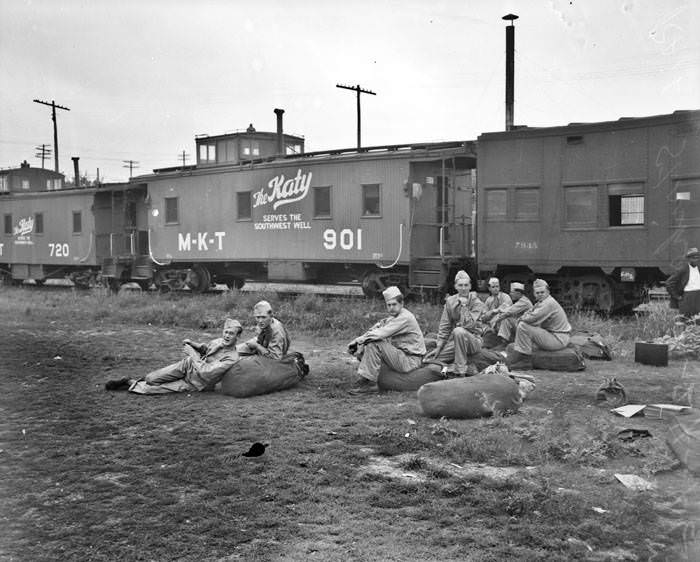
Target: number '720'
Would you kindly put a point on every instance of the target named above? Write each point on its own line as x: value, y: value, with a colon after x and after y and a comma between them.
x: 58, y: 250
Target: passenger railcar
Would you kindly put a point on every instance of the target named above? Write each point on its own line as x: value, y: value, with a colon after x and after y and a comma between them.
x: 601, y: 210
x: 54, y: 232
x: 382, y: 215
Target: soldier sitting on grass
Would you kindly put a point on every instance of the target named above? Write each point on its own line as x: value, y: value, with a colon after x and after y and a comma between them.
x: 204, y: 365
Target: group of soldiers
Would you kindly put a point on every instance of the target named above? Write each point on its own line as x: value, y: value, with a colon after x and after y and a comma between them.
x: 510, y: 323
x: 467, y: 325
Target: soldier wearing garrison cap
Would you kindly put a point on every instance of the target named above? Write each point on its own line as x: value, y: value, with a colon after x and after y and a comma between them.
x: 396, y: 341
x: 271, y: 339
x: 544, y: 327
x: 460, y: 328
x: 684, y: 285
x: 507, y: 318
x: 204, y: 365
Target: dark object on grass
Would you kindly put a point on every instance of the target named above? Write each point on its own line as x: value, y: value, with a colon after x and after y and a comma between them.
x: 612, y: 392
x: 117, y: 384
x: 651, y: 354
x: 632, y: 434
x: 256, y: 450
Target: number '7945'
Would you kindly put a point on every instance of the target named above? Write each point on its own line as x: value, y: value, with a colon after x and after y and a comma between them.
x: 58, y: 250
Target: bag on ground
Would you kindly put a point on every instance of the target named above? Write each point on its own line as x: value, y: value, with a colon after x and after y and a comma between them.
x: 591, y: 345
x: 471, y: 397
x: 253, y: 375
x: 486, y: 357
x: 413, y: 380
x: 567, y: 359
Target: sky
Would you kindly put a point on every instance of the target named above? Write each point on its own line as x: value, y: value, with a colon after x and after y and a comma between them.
x: 143, y: 77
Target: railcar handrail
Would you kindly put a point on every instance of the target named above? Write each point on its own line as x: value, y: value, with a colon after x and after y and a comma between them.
x: 150, y: 252
x: 398, y: 257
x: 83, y: 260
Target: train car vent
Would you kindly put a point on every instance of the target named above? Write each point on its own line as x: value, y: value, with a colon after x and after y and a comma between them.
x: 574, y: 139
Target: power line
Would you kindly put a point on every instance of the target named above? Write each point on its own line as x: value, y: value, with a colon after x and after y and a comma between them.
x: 53, y: 106
x: 131, y: 164
x: 359, y: 91
x: 43, y: 152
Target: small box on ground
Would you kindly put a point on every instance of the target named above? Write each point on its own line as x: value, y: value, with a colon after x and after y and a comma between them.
x: 651, y: 354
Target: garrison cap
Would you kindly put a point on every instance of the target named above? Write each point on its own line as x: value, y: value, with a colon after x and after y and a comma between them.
x: 390, y: 293
x: 692, y: 253
x: 461, y: 274
x: 263, y: 307
x: 515, y: 286
x: 232, y: 323
x: 540, y: 283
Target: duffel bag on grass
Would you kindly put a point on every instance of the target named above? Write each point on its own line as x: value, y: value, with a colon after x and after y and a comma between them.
x: 486, y: 357
x: 413, y: 380
x: 471, y: 397
x: 591, y: 345
x: 567, y: 359
x: 253, y: 375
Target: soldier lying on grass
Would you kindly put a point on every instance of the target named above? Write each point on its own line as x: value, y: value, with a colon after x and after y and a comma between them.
x: 204, y: 365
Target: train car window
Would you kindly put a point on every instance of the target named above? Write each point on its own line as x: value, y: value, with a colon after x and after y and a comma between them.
x: 322, y: 202
x: 293, y: 149
x: 77, y: 222
x: 3, y: 183
x: 371, y: 199
x: 255, y: 148
x: 625, y: 204
x: 39, y: 223
x: 527, y: 204
x: 244, y: 207
x: 686, y: 204
x: 581, y: 206
x: 496, y: 204
x: 8, y: 224
x: 171, y: 210
x: 25, y: 184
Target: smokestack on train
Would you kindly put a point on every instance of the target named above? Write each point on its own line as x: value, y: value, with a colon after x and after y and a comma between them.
x: 510, y: 69
x: 280, y: 131
x: 76, y: 170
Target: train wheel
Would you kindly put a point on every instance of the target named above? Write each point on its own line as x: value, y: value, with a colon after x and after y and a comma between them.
x: 39, y: 282
x: 145, y: 284
x: 198, y: 279
x: 111, y: 283
x: 589, y: 292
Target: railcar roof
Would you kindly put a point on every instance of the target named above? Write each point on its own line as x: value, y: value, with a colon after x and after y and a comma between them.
x: 679, y: 116
x: 414, y: 151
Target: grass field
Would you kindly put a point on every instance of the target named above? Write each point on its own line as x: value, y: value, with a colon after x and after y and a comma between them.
x: 95, y: 475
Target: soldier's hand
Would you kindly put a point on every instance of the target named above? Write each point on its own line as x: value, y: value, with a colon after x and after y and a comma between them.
x: 352, y: 347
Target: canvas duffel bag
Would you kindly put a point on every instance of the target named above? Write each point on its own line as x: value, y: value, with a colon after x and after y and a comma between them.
x: 471, y: 397
x: 567, y: 359
x: 413, y: 380
x: 684, y: 440
x: 253, y: 375
x: 591, y: 345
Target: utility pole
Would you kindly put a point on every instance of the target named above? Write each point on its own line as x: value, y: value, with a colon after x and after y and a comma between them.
x: 184, y: 156
x: 359, y: 91
x: 43, y: 152
x: 54, y: 105
x: 131, y: 164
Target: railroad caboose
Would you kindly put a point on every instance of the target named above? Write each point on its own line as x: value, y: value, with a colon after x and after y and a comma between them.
x: 51, y: 231
x: 600, y: 210
x: 381, y: 215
